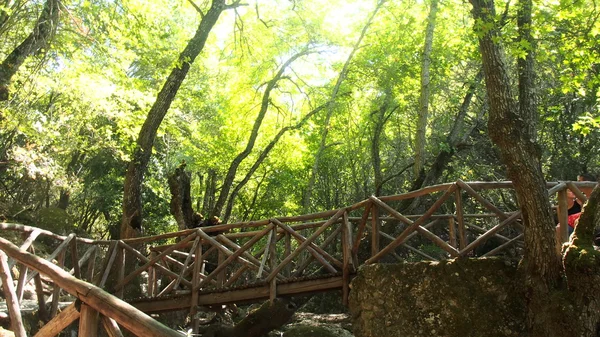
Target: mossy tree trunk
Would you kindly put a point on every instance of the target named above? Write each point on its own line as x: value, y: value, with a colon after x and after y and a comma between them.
x: 552, y: 310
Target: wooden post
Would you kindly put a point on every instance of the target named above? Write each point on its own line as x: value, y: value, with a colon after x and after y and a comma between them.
x: 563, y: 218
x: 374, y: 230
x: 60, y: 322
x: 88, y: 321
x: 75, y: 260
x: 221, y: 275
x: 121, y: 271
x: 462, y: 238
x: 195, y: 282
x: 39, y: 291
x: 273, y: 265
x: 287, y: 271
x: 21, y: 282
x: 56, y: 290
x: 111, y: 327
x: 347, y: 258
x: 452, y: 232
x: 151, y: 277
x: 16, y: 323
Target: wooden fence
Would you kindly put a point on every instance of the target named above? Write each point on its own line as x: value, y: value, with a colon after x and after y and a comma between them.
x: 285, y: 256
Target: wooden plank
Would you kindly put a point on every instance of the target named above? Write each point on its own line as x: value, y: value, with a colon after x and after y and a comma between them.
x: 158, y: 267
x: 16, y: 321
x: 29, y: 229
x: 232, y: 255
x: 56, y: 291
x: 316, y: 251
x: 84, y: 259
x: 111, y: 327
x: 273, y: 264
x: 240, y: 296
x: 300, y: 248
x: 75, y: 260
x: 491, y: 232
x: 375, y: 229
x: 25, y: 245
x: 21, y: 282
x: 195, y: 286
x: 347, y: 257
x: 245, y: 253
x: 481, y: 199
x: 409, y: 247
x: 109, y: 259
x: 309, y: 259
x: 67, y: 316
x: 287, y: 271
x: 361, y: 228
x: 152, y: 282
x: 105, y: 303
x: 452, y: 233
x: 54, y: 254
x: 503, y: 246
x: 187, y: 261
x: 412, y: 225
x: 139, y: 270
x: 39, y: 291
x: 263, y: 262
x: 462, y: 235
x: 88, y: 321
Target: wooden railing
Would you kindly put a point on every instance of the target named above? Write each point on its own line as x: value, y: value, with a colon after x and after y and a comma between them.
x: 284, y: 256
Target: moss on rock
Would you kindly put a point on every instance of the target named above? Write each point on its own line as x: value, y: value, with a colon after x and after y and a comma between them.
x: 463, y: 297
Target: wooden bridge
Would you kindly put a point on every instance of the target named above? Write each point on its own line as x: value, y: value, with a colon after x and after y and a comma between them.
x: 258, y: 260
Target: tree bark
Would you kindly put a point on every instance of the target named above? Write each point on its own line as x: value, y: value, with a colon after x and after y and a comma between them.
x: 181, y: 200
x: 268, y: 317
x: 425, y: 91
x: 511, y: 129
x: 131, y: 222
x: 44, y: 29
x: 253, y: 135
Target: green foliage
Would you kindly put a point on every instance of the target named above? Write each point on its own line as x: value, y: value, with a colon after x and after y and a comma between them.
x: 71, y: 126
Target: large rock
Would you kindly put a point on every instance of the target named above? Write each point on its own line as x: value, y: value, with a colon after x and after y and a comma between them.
x: 455, y: 298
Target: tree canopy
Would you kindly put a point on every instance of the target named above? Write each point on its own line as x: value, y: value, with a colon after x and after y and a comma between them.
x: 288, y: 107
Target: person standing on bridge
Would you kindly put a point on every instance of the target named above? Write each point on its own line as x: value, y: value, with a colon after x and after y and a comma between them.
x: 575, y: 209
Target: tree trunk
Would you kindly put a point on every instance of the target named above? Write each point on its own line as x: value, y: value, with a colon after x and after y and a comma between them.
x: 268, y: 317
x: 425, y: 91
x: 253, y: 135
x: 181, y: 200
x: 512, y: 129
x: 131, y: 222
x: 379, y: 118
x: 263, y: 155
x: 44, y: 29
x: 333, y: 97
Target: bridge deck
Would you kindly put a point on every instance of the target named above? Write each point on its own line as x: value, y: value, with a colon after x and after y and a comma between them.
x: 258, y: 260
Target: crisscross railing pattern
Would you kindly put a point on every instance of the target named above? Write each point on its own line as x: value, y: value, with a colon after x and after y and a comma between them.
x: 282, y: 256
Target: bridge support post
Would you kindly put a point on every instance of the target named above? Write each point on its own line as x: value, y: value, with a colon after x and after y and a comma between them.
x: 375, y: 230
x: 273, y: 265
x: 16, y: 322
x: 88, y: 321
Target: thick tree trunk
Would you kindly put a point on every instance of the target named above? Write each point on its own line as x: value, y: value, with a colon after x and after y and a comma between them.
x: 425, y: 91
x: 512, y: 128
x: 44, y: 29
x: 253, y: 135
x: 131, y: 222
x: 181, y: 200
